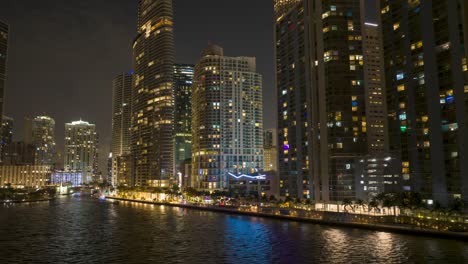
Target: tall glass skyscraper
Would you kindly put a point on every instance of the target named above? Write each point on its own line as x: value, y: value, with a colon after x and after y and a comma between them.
x: 183, y: 79
x: 43, y: 139
x: 121, y: 114
x: 120, y: 158
x: 153, y: 95
x: 81, y: 149
x: 322, y: 117
x: 426, y: 50
x: 4, y: 30
x: 227, y: 119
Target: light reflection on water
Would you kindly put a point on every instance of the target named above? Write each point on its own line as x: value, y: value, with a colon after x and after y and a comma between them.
x: 81, y: 230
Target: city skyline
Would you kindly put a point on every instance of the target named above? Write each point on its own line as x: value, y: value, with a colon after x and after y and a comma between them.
x: 208, y: 131
x: 91, y: 23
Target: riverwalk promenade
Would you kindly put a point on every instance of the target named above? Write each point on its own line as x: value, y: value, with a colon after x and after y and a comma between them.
x: 370, y: 222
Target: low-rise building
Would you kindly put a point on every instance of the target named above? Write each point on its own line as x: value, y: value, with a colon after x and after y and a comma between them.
x: 24, y: 176
x: 73, y: 178
x: 258, y: 184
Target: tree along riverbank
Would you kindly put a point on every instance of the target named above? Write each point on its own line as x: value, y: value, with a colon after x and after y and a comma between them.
x: 396, y: 224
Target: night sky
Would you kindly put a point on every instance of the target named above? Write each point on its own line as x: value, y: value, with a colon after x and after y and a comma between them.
x: 63, y: 54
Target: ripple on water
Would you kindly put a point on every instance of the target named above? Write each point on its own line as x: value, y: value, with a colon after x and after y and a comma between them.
x: 81, y: 230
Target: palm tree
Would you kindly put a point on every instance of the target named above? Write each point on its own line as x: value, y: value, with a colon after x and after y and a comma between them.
x: 361, y: 204
x: 373, y: 204
x: 347, y: 202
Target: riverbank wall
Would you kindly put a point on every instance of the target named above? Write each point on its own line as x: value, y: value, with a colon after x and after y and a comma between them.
x: 369, y: 222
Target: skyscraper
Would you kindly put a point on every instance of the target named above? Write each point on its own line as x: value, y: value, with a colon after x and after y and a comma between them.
x: 121, y: 114
x: 6, y: 134
x: 121, y: 159
x: 153, y: 96
x: 4, y: 30
x: 43, y: 139
x: 293, y: 83
x: 322, y: 117
x: 227, y: 119
x: 81, y: 151
x: 269, y: 138
x: 426, y: 68
x: 183, y: 79
x: 374, y: 85
x: 270, y: 150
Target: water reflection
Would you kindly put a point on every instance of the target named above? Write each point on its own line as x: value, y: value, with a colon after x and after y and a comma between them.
x: 81, y: 230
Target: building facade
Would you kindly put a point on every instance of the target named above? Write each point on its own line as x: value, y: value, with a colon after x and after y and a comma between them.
x: 25, y: 176
x: 60, y: 178
x: 121, y: 130
x: 375, y: 174
x: 374, y: 86
x: 322, y: 116
x: 121, y: 114
x: 293, y: 84
x: 270, y: 159
x: 153, y: 95
x: 270, y: 150
x: 19, y: 153
x: 43, y: 139
x: 6, y: 134
x: 227, y: 119
x: 81, y: 149
x: 4, y: 31
x: 183, y: 81
x: 427, y: 94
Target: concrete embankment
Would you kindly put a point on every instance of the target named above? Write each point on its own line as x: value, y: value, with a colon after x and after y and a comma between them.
x: 401, y: 229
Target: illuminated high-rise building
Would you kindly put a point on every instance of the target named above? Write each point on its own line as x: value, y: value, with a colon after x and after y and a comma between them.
x: 81, y: 149
x: 227, y: 119
x: 121, y: 114
x: 426, y: 49
x: 322, y: 117
x: 269, y: 138
x: 4, y: 31
x: 183, y: 79
x: 43, y: 139
x: 374, y: 85
x: 6, y: 134
x: 153, y: 96
x: 120, y: 160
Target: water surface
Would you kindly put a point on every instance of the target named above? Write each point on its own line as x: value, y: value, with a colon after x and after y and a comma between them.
x: 83, y: 230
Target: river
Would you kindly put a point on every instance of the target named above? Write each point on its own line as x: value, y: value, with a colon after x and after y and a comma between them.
x: 84, y: 230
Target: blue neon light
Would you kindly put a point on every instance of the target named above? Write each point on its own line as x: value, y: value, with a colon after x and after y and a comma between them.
x: 259, y: 177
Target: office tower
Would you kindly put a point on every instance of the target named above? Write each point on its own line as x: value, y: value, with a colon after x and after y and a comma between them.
x: 269, y: 138
x: 183, y: 79
x: 81, y: 151
x: 227, y: 119
x: 18, y: 153
x: 374, y: 85
x: 121, y: 130
x: 270, y: 159
x: 28, y: 122
x: 270, y: 150
x: 43, y: 139
x: 4, y: 30
x: 293, y: 83
x: 6, y: 134
x: 7, y: 130
x: 322, y: 122
x: 121, y: 114
x: 426, y: 68
x: 153, y: 96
